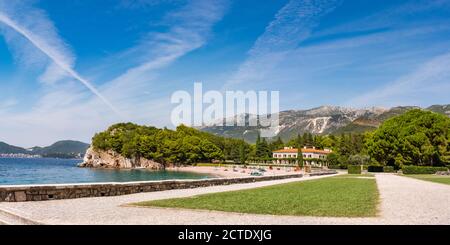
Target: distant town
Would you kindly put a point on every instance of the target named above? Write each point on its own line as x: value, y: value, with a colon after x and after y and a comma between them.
x: 18, y: 155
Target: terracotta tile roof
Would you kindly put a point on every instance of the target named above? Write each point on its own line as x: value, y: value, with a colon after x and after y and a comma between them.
x: 307, y: 150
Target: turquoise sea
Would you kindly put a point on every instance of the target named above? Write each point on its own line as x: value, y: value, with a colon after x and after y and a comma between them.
x: 15, y: 171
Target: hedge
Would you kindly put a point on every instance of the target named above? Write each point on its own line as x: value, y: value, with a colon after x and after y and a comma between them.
x: 388, y: 169
x: 422, y: 170
x: 354, y: 169
x: 375, y: 169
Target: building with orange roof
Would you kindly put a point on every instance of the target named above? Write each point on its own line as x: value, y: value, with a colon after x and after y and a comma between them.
x: 312, y: 156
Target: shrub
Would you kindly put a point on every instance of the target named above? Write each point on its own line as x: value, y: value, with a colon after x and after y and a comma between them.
x: 354, y: 169
x: 375, y: 169
x: 388, y: 169
x: 422, y: 170
x: 358, y: 160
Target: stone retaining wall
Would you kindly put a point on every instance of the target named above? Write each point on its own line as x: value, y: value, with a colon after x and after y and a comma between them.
x: 54, y: 192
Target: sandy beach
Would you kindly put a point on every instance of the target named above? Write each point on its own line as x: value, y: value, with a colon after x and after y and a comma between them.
x: 230, y: 172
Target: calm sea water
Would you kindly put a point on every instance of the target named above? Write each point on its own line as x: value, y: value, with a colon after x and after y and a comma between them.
x: 57, y: 171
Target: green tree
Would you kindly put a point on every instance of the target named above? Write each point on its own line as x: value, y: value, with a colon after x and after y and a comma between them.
x: 243, y: 154
x: 416, y: 137
x: 265, y: 150
x: 333, y: 159
x: 300, y: 155
x: 258, y: 147
x: 327, y: 142
x: 359, y: 159
x: 262, y: 148
x: 276, y: 145
x: 308, y: 139
x: 185, y: 145
x: 210, y: 151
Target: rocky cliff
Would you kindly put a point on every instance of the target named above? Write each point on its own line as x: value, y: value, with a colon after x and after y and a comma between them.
x: 110, y: 159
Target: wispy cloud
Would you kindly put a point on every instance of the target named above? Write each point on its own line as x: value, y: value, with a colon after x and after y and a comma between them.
x: 344, y: 61
x: 394, y: 17
x: 412, y: 70
x: 292, y: 25
x: 46, y: 40
x: 138, y: 4
x: 432, y: 77
x: 189, y: 28
x: 7, y: 104
x: 72, y: 113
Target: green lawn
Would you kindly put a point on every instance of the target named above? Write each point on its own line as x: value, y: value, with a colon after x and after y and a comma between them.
x: 333, y: 196
x: 368, y: 175
x: 431, y: 177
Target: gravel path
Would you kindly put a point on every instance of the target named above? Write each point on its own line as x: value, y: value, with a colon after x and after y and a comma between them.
x: 406, y: 200
x: 403, y: 201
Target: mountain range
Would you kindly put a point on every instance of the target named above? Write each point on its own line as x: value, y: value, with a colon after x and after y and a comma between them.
x: 321, y: 121
x: 61, y: 149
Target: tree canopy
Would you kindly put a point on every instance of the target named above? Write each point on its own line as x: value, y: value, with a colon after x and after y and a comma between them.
x: 416, y: 137
x: 184, y: 145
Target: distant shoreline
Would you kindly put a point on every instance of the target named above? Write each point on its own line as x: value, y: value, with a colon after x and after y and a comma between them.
x: 37, y: 157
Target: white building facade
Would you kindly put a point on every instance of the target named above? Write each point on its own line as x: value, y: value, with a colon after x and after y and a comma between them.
x: 311, y: 156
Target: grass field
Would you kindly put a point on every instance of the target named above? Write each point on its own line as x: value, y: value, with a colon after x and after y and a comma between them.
x: 347, y: 196
x: 368, y: 175
x: 432, y: 178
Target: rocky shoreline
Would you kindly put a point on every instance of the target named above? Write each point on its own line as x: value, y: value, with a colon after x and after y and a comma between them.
x: 95, y: 158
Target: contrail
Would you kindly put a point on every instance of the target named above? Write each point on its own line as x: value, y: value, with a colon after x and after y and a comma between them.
x: 42, y: 47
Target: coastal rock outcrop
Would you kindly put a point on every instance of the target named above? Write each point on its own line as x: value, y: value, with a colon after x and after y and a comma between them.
x: 109, y: 159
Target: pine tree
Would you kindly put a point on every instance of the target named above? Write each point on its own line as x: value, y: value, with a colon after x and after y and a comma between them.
x: 265, y: 150
x: 305, y: 138
x: 258, y: 153
x: 299, y: 155
x: 242, y: 154
x: 276, y: 145
x: 310, y: 139
x: 299, y: 140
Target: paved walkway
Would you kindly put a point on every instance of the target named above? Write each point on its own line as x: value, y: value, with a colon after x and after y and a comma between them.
x: 403, y: 201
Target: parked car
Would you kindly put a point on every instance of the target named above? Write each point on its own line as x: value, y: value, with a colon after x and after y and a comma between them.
x: 256, y: 173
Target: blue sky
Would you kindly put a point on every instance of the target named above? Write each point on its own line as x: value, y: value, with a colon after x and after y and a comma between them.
x: 69, y: 69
